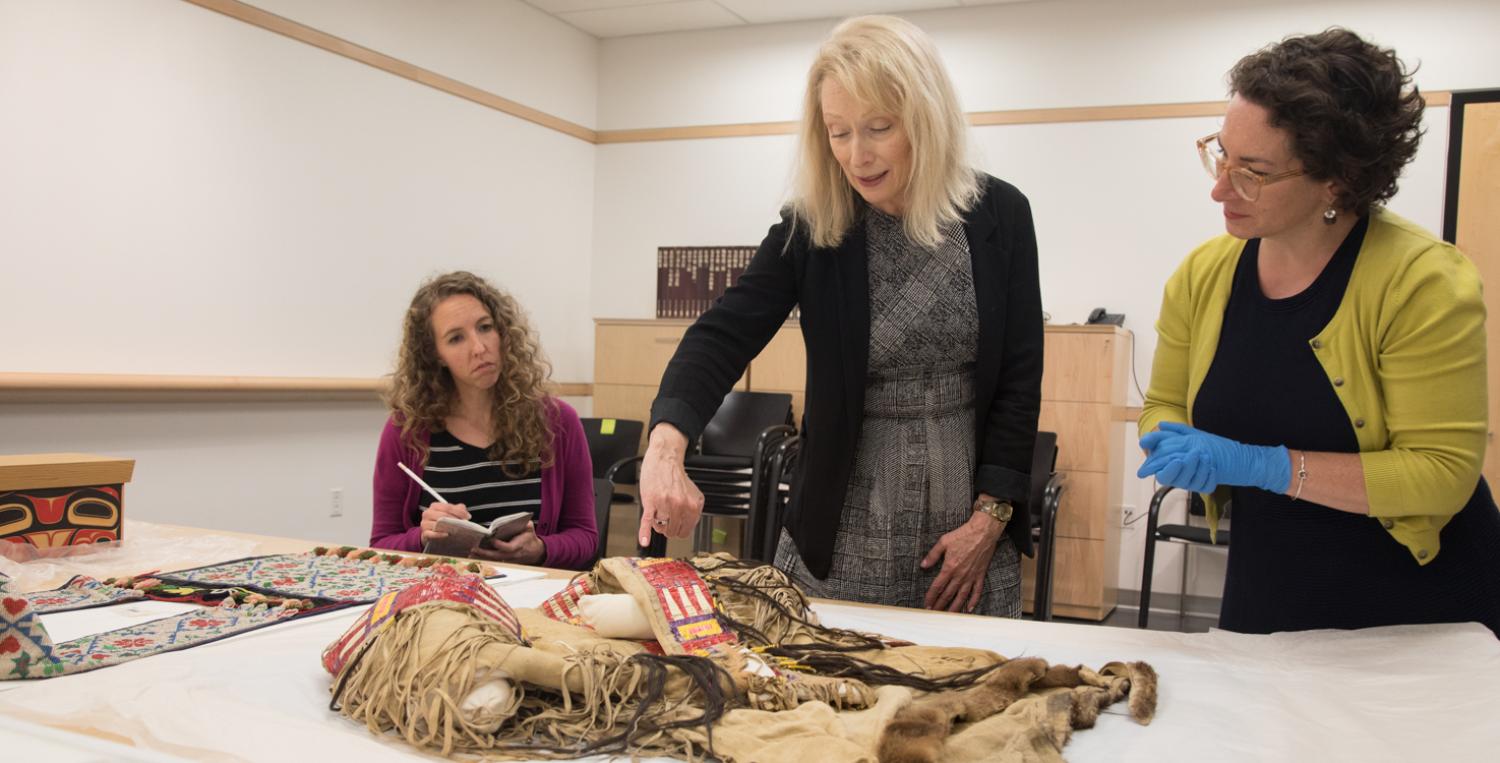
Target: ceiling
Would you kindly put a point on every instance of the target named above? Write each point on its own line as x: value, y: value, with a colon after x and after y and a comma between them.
x: 619, y: 18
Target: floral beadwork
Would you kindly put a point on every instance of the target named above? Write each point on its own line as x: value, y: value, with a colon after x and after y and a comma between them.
x: 345, y: 574
x: 81, y: 592
x: 26, y: 651
x: 198, y: 594
x: 238, y: 596
x: 165, y: 635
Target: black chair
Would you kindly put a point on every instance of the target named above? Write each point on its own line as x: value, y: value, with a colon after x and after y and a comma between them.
x: 730, y: 455
x: 1042, y: 502
x: 724, y: 462
x: 778, y: 460
x: 610, y: 442
x: 1186, y: 534
x: 603, y: 499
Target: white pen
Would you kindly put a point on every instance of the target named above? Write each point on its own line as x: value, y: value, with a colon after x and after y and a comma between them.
x: 424, y: 485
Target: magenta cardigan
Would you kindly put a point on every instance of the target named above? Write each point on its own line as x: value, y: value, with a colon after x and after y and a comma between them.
x: 566, y: 522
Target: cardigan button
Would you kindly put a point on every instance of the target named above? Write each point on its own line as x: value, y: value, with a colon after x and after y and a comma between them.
x: 1359, y: 423
x: 1388, y: 524
x: 1338, y: 381
x: 1317, y: 344
x: 1422, y: 553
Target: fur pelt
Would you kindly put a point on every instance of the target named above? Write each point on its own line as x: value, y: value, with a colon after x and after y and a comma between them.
x: 1066, y: 698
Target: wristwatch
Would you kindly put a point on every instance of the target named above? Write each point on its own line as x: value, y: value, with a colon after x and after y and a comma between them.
x: 1001, y: 511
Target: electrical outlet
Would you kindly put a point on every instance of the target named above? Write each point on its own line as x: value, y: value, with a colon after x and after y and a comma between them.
x: 336, y: 502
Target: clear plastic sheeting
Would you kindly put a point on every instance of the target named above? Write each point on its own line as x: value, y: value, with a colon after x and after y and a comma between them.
x: 142, y: 549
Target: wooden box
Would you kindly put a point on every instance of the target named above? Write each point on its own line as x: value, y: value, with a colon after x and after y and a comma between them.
x: 50, y: 500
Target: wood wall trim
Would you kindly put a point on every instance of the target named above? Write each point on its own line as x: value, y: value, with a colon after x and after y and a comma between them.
x: 976, y: 119
x: 281, y: 25
x: 77, y: 388
x: 337, y: 45
x: 1097, y: 113
x: 1070, y: 114
x: 698, y: 132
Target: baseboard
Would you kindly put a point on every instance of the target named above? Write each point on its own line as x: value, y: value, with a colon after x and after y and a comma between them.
x: 1171, y: 603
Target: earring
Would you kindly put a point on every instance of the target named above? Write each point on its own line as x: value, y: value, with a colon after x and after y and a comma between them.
x: 1331, y: 216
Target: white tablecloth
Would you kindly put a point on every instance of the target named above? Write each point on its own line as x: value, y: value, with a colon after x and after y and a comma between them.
x: 1402, y: 693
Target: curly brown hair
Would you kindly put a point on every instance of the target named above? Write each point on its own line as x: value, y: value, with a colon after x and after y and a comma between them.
x: 1345, y: 103
x: 422, y: 391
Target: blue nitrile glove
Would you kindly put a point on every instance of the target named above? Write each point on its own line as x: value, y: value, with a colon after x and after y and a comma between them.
x: 1204, y: 460
x: 1189, y: 471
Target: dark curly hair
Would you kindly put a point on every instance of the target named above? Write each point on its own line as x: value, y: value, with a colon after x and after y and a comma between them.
x: 422, y: 391
x: 1346, y: 104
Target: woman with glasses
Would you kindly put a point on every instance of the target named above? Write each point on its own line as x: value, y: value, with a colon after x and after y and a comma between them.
x: 922, y: 316
x: 1323, y: 364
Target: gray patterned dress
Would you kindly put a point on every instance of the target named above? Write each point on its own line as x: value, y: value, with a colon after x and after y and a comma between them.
x: 914, y: 463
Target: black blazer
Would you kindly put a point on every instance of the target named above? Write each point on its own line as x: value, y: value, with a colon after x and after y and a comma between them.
x: 832, y: 287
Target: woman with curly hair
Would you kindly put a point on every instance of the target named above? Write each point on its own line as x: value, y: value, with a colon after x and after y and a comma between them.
x: 1323, y: 364
x: 471, y: 416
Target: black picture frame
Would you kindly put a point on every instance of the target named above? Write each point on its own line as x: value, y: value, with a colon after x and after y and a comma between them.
x: 1456, y: 104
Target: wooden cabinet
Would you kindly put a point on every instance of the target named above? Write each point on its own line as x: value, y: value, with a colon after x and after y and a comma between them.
x: 782, y: 367
x: 1084, y: 382
x: 630, y: 356
x: 1085, y: 374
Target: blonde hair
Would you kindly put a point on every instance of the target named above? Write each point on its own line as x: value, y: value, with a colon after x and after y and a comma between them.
x: 422, y: 391
x: 888, y: 64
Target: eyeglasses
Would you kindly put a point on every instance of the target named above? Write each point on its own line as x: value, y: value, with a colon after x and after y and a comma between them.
x: 1245, y: 181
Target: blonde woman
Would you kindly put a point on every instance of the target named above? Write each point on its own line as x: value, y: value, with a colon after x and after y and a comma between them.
x: 917, y: 281
x: 469, y: 414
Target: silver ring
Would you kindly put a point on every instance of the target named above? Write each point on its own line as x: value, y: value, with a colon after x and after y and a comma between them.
x: 659, y: 522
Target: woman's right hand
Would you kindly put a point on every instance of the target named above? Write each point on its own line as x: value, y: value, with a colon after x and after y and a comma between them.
x: 431, y: 514
x: 670, y: 502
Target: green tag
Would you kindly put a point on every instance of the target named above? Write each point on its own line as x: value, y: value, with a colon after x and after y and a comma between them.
x: 720, y: 536
x: 607, y: 426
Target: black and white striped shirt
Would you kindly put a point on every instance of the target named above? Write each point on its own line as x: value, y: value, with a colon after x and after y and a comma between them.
x: 466, y: 474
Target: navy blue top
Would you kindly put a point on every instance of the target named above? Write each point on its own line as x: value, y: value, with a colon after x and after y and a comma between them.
x: 1297, y: 565
x: 467, y: 474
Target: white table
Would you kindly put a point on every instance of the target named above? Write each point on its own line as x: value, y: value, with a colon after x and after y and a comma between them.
x: 1403, y: 693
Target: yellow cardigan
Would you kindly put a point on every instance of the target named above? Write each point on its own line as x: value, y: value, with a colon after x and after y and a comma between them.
x: 1405, y: 353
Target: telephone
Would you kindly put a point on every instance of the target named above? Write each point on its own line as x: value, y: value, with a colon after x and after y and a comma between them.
x: 1098, y: 315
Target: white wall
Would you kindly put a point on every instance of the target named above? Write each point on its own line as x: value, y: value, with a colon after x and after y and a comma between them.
x: 251, y: 467
x: 257, y: 467
x: 231, y: 201
x: 184, y: 193
x: 1033, y: 55
x: 503, y: 46
x: 1117, y: 203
